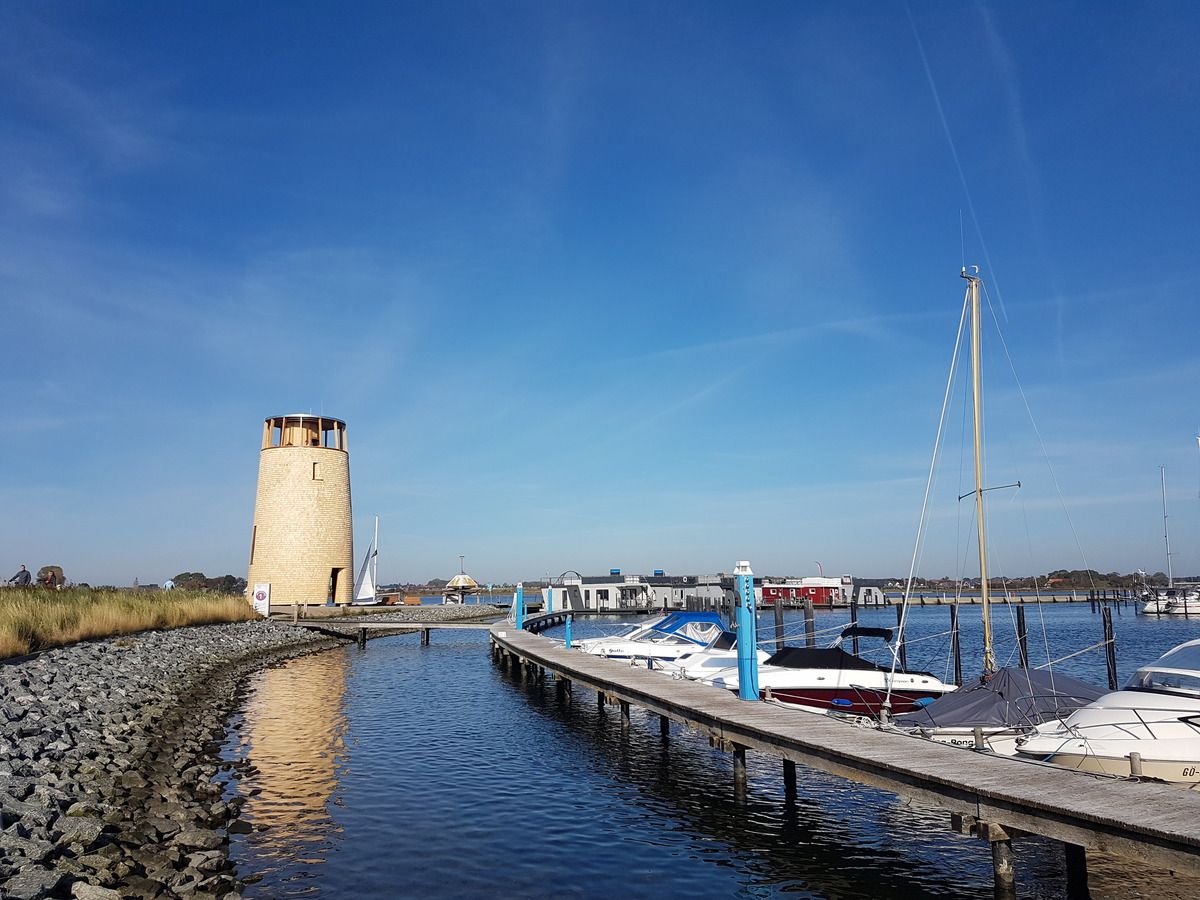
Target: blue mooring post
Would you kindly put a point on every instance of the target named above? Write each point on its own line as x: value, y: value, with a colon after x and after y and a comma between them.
x: 549, y: 596
x: 568, y: 629
x: 747, y: 639
x: 520, y: 606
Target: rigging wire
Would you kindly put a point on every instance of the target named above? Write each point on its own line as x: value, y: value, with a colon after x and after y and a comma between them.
x: 1041, y: 441
x: 912, y: 568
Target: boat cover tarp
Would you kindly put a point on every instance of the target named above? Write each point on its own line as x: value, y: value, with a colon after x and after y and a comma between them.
x: 1012, y: 696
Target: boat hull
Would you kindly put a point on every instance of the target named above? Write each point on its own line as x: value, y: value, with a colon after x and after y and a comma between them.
x: 855, y: 701
x: 1173, y: 771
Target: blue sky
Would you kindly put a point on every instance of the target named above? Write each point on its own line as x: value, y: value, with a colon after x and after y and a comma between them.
x: 613, y: 284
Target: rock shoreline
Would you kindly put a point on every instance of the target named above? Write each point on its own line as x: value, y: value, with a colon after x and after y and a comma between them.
x: 110, y: 777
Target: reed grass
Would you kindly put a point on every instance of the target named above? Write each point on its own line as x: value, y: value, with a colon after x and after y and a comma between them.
x: 33, y: 619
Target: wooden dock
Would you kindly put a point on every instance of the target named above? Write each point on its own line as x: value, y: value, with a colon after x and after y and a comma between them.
x: 995, y: 798
x: 357, y: 631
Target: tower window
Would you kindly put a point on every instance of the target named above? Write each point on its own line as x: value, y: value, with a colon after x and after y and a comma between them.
x: 317, y: 472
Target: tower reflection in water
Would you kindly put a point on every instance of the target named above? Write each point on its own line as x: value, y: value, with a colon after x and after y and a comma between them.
x: 293, y: 731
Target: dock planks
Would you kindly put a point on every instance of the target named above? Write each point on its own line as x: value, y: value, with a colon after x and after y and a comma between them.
x: 1154, y: 823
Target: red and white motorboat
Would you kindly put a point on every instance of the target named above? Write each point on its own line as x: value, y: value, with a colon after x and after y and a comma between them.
x: 831, y: 679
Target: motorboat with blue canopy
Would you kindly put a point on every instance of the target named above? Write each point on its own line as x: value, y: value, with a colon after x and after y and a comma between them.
x: 666, y: 637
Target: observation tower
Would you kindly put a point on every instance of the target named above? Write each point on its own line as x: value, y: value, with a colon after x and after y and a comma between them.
x: 301, y: 543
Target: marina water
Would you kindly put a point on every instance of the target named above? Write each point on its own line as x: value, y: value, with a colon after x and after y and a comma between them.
x: 402, y: 770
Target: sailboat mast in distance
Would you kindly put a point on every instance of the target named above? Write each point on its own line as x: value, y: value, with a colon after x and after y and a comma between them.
x: 1166, y: 534
x: 973, y: 282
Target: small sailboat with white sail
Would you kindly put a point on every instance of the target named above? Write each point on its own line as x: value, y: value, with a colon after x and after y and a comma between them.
x: 366, y: 584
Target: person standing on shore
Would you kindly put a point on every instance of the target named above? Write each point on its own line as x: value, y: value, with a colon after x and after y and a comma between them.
x: 22, y: 578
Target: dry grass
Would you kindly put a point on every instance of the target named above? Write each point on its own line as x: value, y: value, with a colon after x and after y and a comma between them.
x: 34, y: 619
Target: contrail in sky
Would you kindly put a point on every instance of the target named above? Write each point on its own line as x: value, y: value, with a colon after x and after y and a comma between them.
x: 937, y: 100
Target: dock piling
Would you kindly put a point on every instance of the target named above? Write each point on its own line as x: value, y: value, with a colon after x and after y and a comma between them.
x: 362, y: 639
x: 955, y: 648
x: 789, y: 779
x: 854, y: 622
x: 1022, y: 638
x: 1135, y: 764
x: 810, y: 624
x: 1004, y: 870
x: 1077, y: 874
x: 739, y: 772
x: 1110, y: 649
x: 778, y: 604
x: 747, y: 626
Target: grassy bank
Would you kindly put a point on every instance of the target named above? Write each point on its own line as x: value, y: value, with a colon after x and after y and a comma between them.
x: 35, y: 619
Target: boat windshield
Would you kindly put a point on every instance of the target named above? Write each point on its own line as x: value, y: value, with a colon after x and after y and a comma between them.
x: 1170, y: 680
x: 1176, y: 670
x: 1185, y: 656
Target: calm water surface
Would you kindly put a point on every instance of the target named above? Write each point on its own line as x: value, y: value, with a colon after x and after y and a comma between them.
x: 403, y: 770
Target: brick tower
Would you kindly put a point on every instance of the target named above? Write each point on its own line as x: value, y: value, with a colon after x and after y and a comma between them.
x: 302, y: 541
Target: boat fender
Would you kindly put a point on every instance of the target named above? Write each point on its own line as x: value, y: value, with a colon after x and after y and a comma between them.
x: 922, y: 702
x: 841, y: 702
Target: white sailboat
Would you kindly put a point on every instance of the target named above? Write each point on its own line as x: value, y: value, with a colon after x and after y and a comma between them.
x: 365, y: 590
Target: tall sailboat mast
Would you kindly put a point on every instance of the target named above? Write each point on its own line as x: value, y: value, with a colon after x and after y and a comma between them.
x: 973, y: 282
x: 1166, y: 535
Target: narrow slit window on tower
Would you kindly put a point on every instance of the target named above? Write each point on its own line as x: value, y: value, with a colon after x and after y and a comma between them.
x: 317, y: 472
x: 253, y: 541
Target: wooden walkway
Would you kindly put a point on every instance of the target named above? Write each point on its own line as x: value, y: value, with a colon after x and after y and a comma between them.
x: 996, y: 798
x: 357, y: 631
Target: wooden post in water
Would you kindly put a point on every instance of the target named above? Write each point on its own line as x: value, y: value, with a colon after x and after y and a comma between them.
x: 739, y: 772
x: 902, y: 650
x: 954, y: 644
x: 789, y: 779
x: 1110, y: 649
x: 1077, y: 875
x: 664, y: 727
x: 854, y: 622
x: 810, y: 624
x: 1004, y: 871
x: 779, y: 623
x: 425, y: 637
x: 1022, y: 638
x: 624, y: 717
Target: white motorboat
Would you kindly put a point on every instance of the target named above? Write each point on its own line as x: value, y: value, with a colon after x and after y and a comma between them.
x: 663, y: 638
x: 1156, y: 716
x: 719, y: 655
x: 830, y: 679
x: 1184, y: 603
